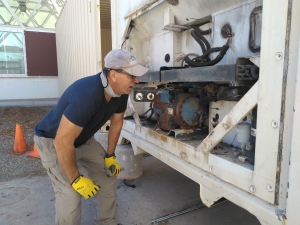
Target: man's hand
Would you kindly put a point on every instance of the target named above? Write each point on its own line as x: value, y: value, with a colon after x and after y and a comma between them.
x: 85, y: 186
x: 112, y: 165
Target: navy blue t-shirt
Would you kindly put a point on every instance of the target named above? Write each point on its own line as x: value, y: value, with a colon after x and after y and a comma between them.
x: 85, y: 105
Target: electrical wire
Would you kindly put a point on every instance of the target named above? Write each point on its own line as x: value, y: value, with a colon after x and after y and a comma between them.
x: 127, y: 36
x: 198, y: 62
x: 123, y: 43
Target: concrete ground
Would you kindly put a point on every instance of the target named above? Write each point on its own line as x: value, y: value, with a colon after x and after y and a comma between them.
x: 160, y: 191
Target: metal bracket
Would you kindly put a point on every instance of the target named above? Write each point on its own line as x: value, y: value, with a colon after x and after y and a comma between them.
x: 281, y: 214
x: 208, y: 197
x: 136, y: 117
x: 239, y: 111
x: 169, y: 21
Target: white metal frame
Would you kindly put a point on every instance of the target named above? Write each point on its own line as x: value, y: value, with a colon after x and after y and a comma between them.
x: 24, y: 28
x: 261, y: 209
x: 32, y: 12
x: 5, y: 3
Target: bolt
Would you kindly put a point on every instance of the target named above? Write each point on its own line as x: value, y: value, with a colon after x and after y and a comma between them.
x: 249, y: 147
x: 183, y: 155
x: 210, y: 168
x: 270, y: 188
x: 274, y: 124
x: 278, y: 56
x: 150, y: 96
x: 226, y: 126
x: 252, y: 188
x: 250, y: 117
x: 139, y: 96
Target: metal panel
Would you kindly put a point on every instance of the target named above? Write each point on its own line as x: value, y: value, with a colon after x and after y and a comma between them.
x: 222, y: 73
x: 292, y: 210
x: 222, y: 165
x: 238, y: 17
x: 268, y: 180
x: 187, y: 12
x: 78, y: 41
x: 290, y: 166
x: 261, y: 209
x: 271, y: 89
x: 155, y: 42
x: 150, y: 77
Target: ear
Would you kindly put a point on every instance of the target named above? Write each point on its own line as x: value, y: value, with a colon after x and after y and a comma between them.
x: 113, y: 76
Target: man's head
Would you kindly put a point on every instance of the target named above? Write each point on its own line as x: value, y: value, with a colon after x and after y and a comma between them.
x: 123, y: 69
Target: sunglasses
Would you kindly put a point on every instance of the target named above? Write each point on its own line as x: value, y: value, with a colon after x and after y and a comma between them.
x: 125, y: 73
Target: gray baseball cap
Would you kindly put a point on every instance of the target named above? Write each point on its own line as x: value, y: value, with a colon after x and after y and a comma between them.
x: 122, y: 59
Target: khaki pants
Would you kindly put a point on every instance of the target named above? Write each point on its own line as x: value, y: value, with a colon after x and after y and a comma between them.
x: 90, y: 157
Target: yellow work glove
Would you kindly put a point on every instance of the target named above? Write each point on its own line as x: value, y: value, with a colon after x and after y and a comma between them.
x: 113, y: 167
x: 85, y: 186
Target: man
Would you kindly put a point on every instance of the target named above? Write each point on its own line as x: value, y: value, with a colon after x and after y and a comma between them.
x: 65, y: 139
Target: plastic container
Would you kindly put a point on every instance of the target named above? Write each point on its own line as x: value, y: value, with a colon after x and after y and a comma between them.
x: 132, y: 164
x: 243, y: 132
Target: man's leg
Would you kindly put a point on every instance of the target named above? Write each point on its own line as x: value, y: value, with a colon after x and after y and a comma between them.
x: 92, y: 160
x: 67, y: 200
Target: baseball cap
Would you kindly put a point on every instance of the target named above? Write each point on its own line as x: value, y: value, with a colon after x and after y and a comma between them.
x: 122, y: 59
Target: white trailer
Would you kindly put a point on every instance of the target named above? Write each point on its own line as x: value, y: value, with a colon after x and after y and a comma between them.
x: 226, y: 121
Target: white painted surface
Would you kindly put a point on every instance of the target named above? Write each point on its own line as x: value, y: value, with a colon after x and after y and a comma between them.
x: 78, y: 42
x: 268, y: 159
x: 294, y: 181
x: 24, y: 88
x: 292, y: 209
x: 150, y: 42
x: 274, y: 104
x: 238, y: 18
x: 262, y: 210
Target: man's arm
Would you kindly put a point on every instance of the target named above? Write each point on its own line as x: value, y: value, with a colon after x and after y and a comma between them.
x: 64, y: 144
x: 116, y: 124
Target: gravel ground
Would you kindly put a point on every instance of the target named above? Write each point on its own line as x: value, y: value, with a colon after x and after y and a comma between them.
x: 16, y: 166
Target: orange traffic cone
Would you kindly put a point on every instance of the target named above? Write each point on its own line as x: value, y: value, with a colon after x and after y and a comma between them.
x: 34, y: 153
x: 20, y: 144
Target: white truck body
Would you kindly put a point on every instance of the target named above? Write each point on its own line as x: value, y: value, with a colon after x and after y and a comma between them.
x: 158, y: 33
x: 269, y: 188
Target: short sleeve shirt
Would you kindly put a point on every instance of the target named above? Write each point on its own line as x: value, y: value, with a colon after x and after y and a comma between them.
x: 84, y: 104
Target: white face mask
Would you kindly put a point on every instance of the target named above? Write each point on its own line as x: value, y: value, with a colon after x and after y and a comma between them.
x: 107, y: 87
